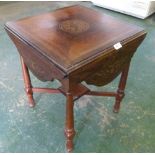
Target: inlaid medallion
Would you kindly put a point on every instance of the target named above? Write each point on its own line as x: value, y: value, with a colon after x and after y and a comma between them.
x: 74, y: 26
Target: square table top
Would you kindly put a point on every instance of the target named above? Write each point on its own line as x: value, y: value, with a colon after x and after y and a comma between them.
x: 72, y: 36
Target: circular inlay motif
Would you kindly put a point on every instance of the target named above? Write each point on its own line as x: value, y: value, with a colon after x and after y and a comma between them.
x: 74, y: 26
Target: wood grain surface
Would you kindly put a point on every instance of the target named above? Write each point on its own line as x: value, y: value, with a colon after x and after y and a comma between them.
x: 72, y: 36
x: 72, y: 45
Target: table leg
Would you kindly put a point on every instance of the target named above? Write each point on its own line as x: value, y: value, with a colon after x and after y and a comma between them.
x: 27, y: 82
x: 69, y: 127
x: 120, y: 92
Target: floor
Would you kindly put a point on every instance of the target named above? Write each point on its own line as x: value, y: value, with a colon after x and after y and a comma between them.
x: 23, y: 129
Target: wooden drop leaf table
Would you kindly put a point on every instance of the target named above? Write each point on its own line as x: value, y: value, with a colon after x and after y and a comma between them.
x: 75, y: 44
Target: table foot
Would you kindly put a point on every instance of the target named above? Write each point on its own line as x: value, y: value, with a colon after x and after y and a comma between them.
x: 69, y: 127
x: 27, y: 82
x: 120, y: 92
x: 31, y: 101
x: 69, y: 139
x: 120, y: 95
x: 31, y: 104
x: 116, y: 107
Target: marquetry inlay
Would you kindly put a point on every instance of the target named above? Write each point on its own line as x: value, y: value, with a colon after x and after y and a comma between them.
x: 74, y: 26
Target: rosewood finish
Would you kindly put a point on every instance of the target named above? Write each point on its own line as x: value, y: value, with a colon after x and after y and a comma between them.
x: 72, y: 45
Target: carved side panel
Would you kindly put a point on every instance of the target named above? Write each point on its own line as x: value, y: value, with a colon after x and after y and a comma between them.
x: 109, y: 69
x: 41, y: 67
x: 106, y: 68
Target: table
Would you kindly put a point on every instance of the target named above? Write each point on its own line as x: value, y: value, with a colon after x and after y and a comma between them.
x: 75, y: 44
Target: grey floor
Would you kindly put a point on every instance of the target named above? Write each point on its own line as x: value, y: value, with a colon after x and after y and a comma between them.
x: 23, y: 129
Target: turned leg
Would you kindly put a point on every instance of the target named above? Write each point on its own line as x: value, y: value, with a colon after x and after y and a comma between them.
x: 120, y: 92
x: 27, y: 82
x: 69, y: 126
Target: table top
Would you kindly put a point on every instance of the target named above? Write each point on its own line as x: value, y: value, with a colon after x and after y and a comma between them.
x: 72, y: 36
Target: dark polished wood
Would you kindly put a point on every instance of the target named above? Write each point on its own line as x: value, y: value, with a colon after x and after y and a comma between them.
x: 120, y: 92
x: 69, y: 127
x: 75, y: 44
x: 28, y: 85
